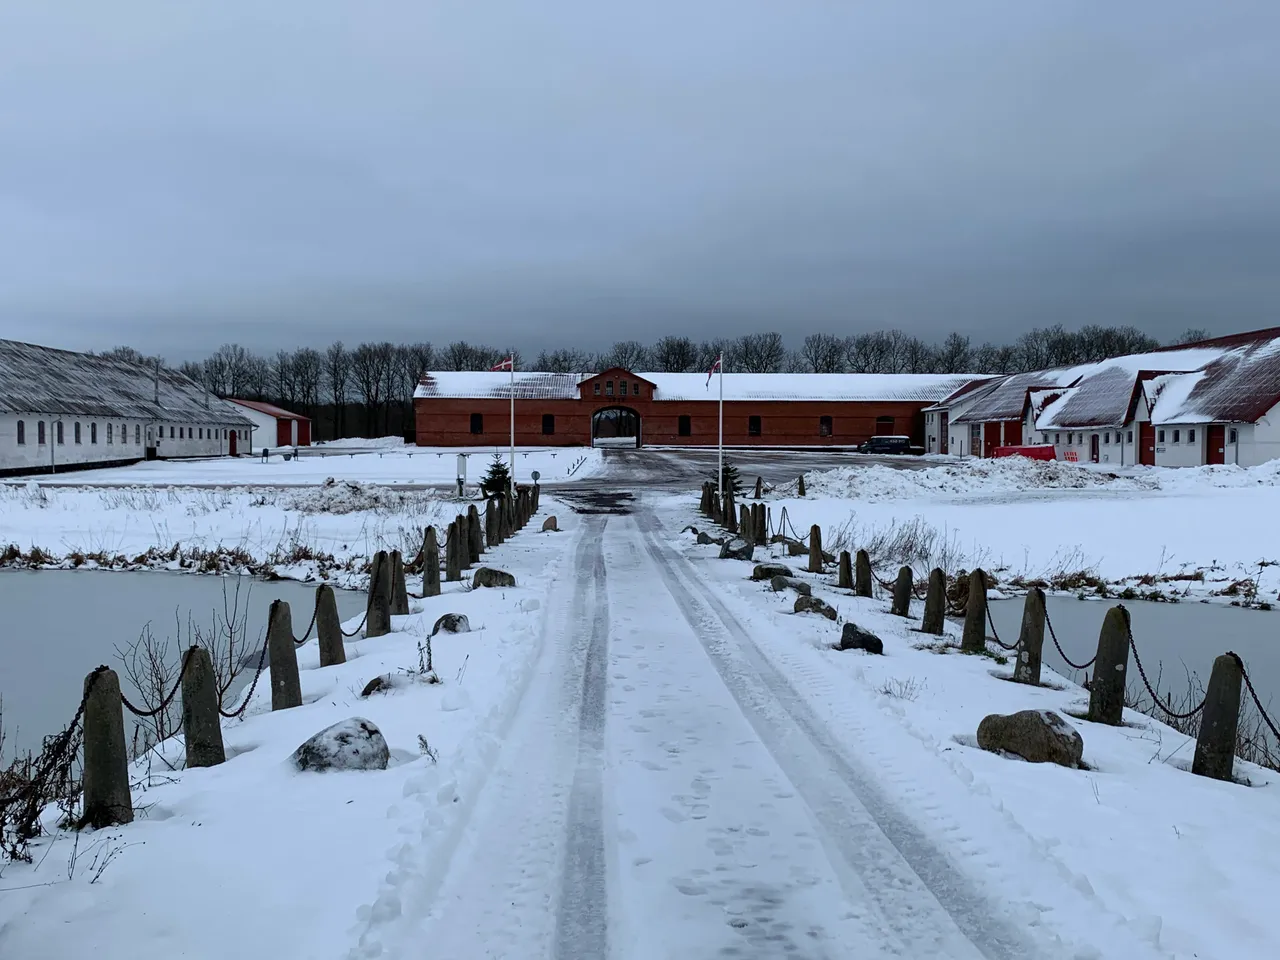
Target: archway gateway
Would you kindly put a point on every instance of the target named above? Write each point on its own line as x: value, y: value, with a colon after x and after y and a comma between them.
x: 615, y: 427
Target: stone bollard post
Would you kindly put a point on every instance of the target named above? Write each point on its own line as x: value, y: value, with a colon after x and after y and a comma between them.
x: 286, y: 688
x: 974, y: 638
x: 430, y: 564
x: 935, y: 604
x: 1030, y: 639
x: 717, y: 510
x: 800, y: 486
x: 902, y: 588
x: 491, y: 524
x: 201, y: 725
x: 107, y: 800
x: 537, y: 496
x: 465, y: 555
x: 507, y: 517
x: 730, y: 512
x: 1106, y: 691
x: 1216, y: 746
x: 523, y: 502
x: 452, y: 562
x: 745, y: 526
x: 815, y: 549
x: 844, y: 572
x: 329, y: 627
x: 761, y: 523
x: 759, y: 487
x: 704, y: 502
x: 399, y: 591
x: 862, y: 574
x: 378, y: 606
x: 475, y: 532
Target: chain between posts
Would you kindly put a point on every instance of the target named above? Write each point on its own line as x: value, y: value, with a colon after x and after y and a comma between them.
x: 315, y: 610
x: 373, y: 584
x: 262, y: 662
x: 1155, y: 697
x: 1257, y: 701
x: 164, y: 704
x: 1062, y: 653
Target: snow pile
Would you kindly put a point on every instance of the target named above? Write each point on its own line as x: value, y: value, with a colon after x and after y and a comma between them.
x: 346, y: 496
x: 363, y: 443
x: 995, y: 476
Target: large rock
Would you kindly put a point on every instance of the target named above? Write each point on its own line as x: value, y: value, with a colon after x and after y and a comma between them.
x: 1037, y: 736
x: 767, y: 571
x: 737, y: 549
x: 489, y: 577
x: 706, y: 539
x: 549, y: 525
x: 353, y: 744
x: 853, y: 637
x: 778, y: 584
x: 452, y: 623
x: 814, y: 605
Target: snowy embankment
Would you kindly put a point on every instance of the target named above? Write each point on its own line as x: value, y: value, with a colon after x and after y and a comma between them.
x: 1132, y: 857
x: 1201, y: 533
x: 403, y: 465
x: 255, y: 859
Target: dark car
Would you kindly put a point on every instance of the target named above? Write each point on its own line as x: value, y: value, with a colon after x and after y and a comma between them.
x: 886, y: 445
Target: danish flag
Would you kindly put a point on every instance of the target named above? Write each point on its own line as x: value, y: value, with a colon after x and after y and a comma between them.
x: 507, y: 364
x: 714, y: 367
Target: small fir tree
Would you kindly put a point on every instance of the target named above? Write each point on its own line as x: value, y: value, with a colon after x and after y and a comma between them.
x: 498, y: 479
x: 731, y: 480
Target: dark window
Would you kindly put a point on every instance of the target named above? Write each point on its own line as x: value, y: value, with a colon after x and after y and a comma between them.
x: 1057, y: 438
x: 1130, y: 436
x: 201, y: 435
x: 1191, y: 436
x: 548, y: 423
x: 1107, y: 439
x: 170, y: 432
x: 597, y: 385
x: 182, y: 433
x: 1160, y: 436
x: 477, y: 423
x: 608, y: 388
x: 685, y: 425
x: 1177, y: 436
x: 110, y: 432
x: 1044, y: 438
x: 40, y: 432
x: 93, y: 433
x: 884, y: 426
x: 635, y: 389
x: 60, y: 435
x: 753, y: 426
x: 77, y: 431
x: 1233, y: 434
x: 137, y: 433
x: 622, y: 388
x: 824, y: 426
x: 22, y: 432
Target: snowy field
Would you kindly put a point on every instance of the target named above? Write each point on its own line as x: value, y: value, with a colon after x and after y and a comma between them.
x: 1190, y: 533
x: 641, y: 753
x: 363, y: 460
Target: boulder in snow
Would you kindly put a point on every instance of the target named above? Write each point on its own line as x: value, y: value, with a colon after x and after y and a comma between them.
x: 778, y: 584
x: 489, y: 577
x: 853, y: 637
x: 1037, y: 736
x: 706, y: 539
x: 814, y: 605
x: 452, y: 623
x: 549, y: 525
x: 737, y: 549
x: 352, y: 744
x: 376, y: 685
x: 767, y: 571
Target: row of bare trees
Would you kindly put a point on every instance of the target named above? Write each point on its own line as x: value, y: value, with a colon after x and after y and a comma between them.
x: 368, y: 389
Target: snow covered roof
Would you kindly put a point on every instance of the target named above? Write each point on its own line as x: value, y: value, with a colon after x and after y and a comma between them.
x: 920, y: 388
x: 1238, y: 386
x: 270, y: 409
x: 1006, y: 399
x: 36, y: 379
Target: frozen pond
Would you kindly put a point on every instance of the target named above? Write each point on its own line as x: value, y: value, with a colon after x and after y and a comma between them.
x: 60, y: 624
x: 1173, y: 637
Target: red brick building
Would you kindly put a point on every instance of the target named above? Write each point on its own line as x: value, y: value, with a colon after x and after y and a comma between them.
x: 783, y: 409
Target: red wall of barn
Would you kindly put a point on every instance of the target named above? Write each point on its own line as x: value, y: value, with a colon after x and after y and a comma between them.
x: 443, y: 422
x: 284, y: 432
x: 304, y: 433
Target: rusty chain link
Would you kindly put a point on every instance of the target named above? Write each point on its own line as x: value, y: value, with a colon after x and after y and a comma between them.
x: 315, y: 610
x: 164, y: 704
x: 1062, y: 653
x: 1155, y: 697
x: 1257, y: 701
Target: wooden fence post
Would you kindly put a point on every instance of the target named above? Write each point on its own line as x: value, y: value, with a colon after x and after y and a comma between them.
x: 902, y: 588
x: 201, y: 725
x: 329, y: 627
x: 935, y: 604
x: 1216, y: 746
x: 107, y: 800
x: 1031, y: 639
x: 286, y: 688
x: 862, y: 574
x: 974, y: 639
x: 1106, y: 690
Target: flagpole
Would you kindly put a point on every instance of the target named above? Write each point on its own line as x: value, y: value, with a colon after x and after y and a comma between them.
x: 511, y: 356
x: 720, y: 472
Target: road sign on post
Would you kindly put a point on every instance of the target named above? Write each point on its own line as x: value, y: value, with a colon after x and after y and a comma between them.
x: 536, y: 476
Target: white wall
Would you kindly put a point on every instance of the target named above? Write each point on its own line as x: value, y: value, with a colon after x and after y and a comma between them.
x: 127, y: 441
x: 1258, y: 442
x: 264, y: 429
x: 175, y: 439
x: 1182, y: 446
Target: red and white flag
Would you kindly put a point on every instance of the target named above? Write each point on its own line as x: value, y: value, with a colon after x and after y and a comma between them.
x: 714, y: 367
x: 507, y: 364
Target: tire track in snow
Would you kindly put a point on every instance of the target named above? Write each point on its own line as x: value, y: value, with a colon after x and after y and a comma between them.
x: 917, y: 887
x: 582, y: 923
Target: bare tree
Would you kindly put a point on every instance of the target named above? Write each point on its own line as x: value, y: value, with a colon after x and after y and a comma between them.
x: 918, y: 356
x: 627, y: 354
x: 823, y: 353
x: 955, y: 355
x: 367, y: 377
x: 1190, y: 335
x: 283, y: 381
x: 563, y: 361
x: 233, y: 362
x: 308, y: 376
x: 258, y: 377
x: 337, y: 377
x: 760, y: 352
x: 674, y: 355
x: 871, y: 352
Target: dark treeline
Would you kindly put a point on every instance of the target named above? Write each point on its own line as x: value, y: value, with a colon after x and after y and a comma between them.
x: 367, y: 390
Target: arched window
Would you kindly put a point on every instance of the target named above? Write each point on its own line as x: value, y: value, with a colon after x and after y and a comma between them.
x: 40, y: 433
x: 110, y: 432
x: 22, y: 432
x: 93, y: 433
x: 60, y: 437
x: 78, y: 431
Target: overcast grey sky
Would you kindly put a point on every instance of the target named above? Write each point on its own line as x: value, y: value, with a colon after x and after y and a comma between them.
x: 175, y: 175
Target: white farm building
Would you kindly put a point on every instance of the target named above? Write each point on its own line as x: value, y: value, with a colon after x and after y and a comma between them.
x: 1216, y: 401
x: 61, y: 410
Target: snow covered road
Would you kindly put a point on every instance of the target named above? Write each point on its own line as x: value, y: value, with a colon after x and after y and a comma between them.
x: 663, y: 794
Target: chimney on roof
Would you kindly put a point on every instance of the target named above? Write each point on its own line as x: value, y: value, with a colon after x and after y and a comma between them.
x: 157, y: 381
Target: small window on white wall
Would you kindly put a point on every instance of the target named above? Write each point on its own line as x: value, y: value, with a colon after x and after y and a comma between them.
x: 1191, y: 436
x: 1177, y: 436
x: 1233, y: 434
